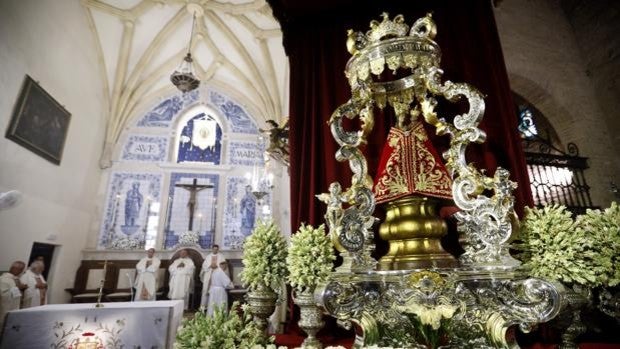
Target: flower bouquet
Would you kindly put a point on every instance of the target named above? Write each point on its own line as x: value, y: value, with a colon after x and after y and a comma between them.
x: 188, y: 238
x: 224, y: 329
x: 580, y: 251
x: 310, y: 260
x: 604, y: 227
x: 264, y: 257
x: 125, y: 243
x: 264, y: 261
x: 431, y: 323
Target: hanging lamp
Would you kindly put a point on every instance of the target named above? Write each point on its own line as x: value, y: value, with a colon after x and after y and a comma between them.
x: 183, y: 77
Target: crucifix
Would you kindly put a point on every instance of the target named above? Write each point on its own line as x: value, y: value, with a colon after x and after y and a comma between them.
x: 191, y: 204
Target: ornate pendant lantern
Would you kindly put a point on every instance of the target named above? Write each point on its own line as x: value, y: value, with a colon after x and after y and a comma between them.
x: 183, y: 77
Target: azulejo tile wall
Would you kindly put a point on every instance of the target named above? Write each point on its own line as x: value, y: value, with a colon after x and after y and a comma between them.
x: 178, y: 210
x: 164, y: 112
x: 239, y: 120
x: 148, y: 160
x: 200, y: 140
x: 241, y: 212
x: 130, y: 200
x: 145, y: 148
x: 245, y: 153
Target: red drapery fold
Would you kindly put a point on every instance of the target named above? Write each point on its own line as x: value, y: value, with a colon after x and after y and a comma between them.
x: 314, y: 38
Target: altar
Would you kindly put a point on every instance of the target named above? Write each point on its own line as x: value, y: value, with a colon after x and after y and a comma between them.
x: 125, y: 324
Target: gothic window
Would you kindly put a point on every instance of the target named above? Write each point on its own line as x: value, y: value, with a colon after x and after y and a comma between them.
x: 199, y: 138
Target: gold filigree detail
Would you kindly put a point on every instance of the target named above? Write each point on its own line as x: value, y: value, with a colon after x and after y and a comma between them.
x: 416, y: 278
x: 377, y: 66
x: 411, y: 167
x: 393, y: 63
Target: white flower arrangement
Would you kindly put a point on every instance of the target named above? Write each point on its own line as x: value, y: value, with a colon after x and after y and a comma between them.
x: 310, y: 257
x: 188, y: 238
x: 581, y: 251
x: 431, y: 316
x: 264, y: 257
x: 224, y: 329
x: 431, y: 324
x: 125, y: 243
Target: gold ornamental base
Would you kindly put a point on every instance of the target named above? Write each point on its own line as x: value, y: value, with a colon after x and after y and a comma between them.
x: 413, y: 229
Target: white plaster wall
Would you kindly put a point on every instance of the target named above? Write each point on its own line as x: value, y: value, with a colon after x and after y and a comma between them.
x: 545, y: 66
x: 50, y: 40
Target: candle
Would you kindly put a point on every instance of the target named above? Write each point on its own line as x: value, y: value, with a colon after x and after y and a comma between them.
x: 114, y: 210
x: 147, y: 213
x: 199, y: 222
x: 213, y: 215
x: 168, y: 212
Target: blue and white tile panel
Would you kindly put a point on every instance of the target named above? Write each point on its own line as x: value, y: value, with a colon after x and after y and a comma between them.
x: 241, y: 212
x: 165, y: 111
x: 205, y: 213
x: 240, y: 121
x: 245, y: 153
x: 131, y: 199
x: 145, y: 148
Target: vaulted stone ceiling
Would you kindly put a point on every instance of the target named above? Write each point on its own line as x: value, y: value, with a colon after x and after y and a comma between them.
x: 237, y: 46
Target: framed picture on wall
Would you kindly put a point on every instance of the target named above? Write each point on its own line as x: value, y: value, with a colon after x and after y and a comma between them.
x: 39, y: 123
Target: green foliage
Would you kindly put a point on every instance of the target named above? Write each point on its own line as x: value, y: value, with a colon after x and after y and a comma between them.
x: 264, y: 257
x: 582, y: 251
x: 604, y: 226
x: 310, y: 257
x: 224, y: 329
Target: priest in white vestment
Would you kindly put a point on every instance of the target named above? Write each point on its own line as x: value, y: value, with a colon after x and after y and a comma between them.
x: 146, y: 280
x: 35, y: 294
x: 218, y: 297
x: 181, y: 274
x: 11, y: 290
x: 211, y: 263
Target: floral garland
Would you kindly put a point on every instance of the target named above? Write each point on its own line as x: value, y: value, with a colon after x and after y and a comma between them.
x: 125, y: 243
x: 310, y: 257
x: 264, y: 257
x: 224, y: 329
x: 581, y: 251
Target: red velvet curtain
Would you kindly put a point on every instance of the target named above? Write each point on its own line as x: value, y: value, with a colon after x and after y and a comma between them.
x: 314, y: 39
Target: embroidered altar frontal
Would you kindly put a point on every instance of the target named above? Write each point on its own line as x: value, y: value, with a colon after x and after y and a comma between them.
x: 115, y: 325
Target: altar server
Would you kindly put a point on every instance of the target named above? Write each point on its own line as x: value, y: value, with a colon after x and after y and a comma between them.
x: 181, y: 274
x: 211, y: 263
x: 146, y: 281
x: 35, y: 294
x: 11, y: 290
x: 218, y: 298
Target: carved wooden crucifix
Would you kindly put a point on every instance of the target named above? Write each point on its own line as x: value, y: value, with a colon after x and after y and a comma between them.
x: 191, y: 204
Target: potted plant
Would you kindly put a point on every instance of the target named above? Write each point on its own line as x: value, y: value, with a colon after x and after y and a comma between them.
x: 310, y: 261
x: 264, y: 261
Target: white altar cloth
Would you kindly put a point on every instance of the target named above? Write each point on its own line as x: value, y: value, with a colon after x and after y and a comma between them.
x: 150, y: 325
